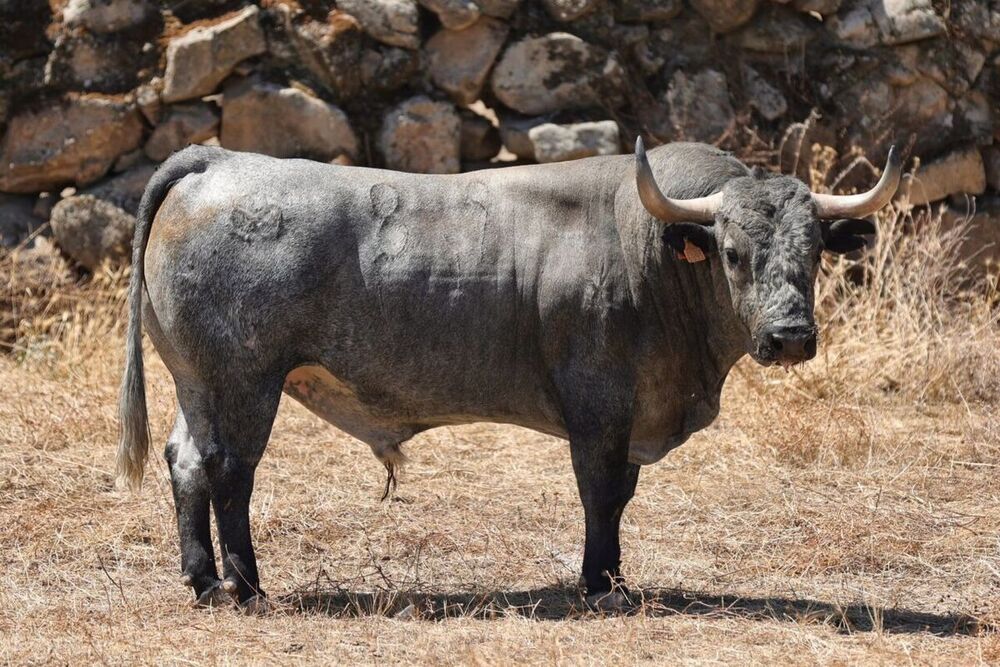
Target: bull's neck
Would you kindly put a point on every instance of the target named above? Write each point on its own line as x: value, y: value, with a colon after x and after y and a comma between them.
x: 688, y: 316
x: 694, y: 315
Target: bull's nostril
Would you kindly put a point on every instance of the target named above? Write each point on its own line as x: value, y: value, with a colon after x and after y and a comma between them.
x: 792, y: 344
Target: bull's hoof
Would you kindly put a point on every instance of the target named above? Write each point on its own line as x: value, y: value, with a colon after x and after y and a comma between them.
x: 255, y: 606
x: 608, y: 602
x: 213, y: 597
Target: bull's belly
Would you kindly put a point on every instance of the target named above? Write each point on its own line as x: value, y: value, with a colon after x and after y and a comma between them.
x: 335, y: 401
x: 380, y: 426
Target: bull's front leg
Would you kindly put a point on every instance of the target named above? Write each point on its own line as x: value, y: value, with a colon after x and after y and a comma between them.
x: 599, y: 422
x: 606, y: 481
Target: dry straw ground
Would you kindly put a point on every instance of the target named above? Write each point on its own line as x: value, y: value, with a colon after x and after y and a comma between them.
x: 846, y: 512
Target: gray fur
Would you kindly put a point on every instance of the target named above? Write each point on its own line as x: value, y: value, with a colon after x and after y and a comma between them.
x: 541, y: 296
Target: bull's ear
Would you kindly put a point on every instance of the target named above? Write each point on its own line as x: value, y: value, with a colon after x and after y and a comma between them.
x: 847, y: 235
x: 681, y: 236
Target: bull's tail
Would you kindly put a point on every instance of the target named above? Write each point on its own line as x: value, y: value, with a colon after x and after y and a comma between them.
x: 133, y: 442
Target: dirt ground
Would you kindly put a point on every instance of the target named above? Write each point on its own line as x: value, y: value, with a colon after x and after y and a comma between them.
x: 832, y: 534
x: 845, y: 512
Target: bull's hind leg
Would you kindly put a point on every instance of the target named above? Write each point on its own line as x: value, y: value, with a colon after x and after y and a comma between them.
x: 242, y: 413
x: 191, y: 500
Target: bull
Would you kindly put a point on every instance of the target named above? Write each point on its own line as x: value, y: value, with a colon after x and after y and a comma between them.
x: 602, y: 301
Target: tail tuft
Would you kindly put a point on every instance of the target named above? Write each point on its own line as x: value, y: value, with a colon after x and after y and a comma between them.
x: 133, y: 441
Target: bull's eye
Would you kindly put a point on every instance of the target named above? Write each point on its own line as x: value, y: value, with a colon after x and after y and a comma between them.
x: 732, y: 257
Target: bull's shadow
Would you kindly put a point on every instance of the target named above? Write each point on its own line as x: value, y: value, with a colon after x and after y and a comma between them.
x: 562, y: 602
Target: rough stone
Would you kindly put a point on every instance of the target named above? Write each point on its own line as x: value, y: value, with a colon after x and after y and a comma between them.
x: 569, y: 10
x: 501, y: 9
x: 556, y: 71
x: 75, y: 141
x: 82, y: 61
x: 763, y: 96
x: 979, y: 246
x: 393, y: 22
x: 92, y: 231
x: 555, y: 143
x: 184, y: 124
x: 725, y: 15
x: 974, y: 118
x: 421, y: 135
x: 959, y: 172
x: 855, y: 28
x: 978, y: 19
x: 643, y: 11
x: 124, y: 190
x: 480, y: 140
x: 874, y: 113
x: 128, y: 160
x: 514, y: 135
x: 460, y: 60
x: 104, y: 16
x: 283, y: 122
x: 453, y: 14
x: 388, y: 68
x: 330, y: 50
x: 700, y: 109
x: 954, y: 66
x: 17, y: 219
x: 902, y: 21
x: 922, y: 102
x: 147, y: 99
x: 778, y: 31
x: 200, y: 59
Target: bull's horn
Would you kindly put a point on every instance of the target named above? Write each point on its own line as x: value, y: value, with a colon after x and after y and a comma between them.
x: 864, y: 203
x: 666, y: 209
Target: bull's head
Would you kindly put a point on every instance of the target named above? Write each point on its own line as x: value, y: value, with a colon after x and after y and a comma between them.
x: 767, y: 232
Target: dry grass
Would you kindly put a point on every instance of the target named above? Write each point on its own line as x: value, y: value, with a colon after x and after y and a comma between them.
x: 845, y: 512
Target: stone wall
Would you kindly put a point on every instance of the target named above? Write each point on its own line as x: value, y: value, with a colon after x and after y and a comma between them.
x: 93, y: 93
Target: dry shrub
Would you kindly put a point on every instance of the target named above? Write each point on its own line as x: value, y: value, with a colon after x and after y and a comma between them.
x: 51, y: 312
x: 917, y: 324
x: 908, y: 317
x: 796, y: 428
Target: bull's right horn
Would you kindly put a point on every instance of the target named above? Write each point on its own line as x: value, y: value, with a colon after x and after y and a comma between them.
x: 669, y: 210
x: 864, y: 203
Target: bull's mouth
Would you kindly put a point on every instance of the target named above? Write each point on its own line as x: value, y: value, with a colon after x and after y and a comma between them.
x: 783, y: 362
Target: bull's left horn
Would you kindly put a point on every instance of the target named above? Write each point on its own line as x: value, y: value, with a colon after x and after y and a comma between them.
x: 864, y: 203
x: 663, y: 207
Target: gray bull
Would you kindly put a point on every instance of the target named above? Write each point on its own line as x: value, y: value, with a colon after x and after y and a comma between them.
x: 562, y: 298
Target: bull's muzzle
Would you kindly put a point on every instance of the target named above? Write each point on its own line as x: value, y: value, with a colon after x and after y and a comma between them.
x: 786, y: 345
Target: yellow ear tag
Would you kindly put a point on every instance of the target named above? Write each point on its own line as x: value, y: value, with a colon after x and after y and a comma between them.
x: 692, y: 253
